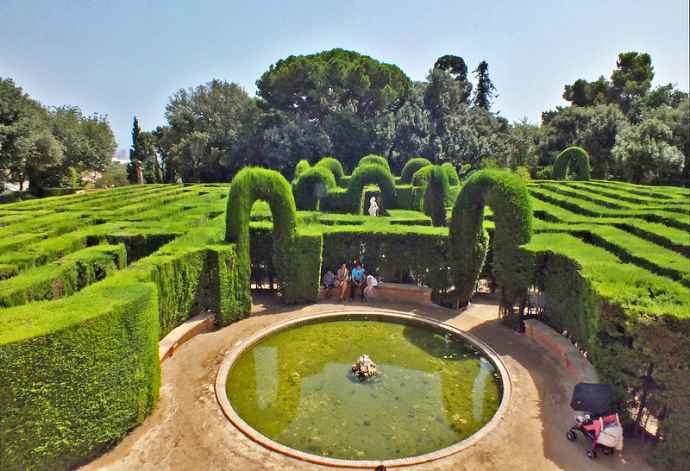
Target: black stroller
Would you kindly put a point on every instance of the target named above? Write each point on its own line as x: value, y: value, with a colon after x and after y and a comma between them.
x: 601, y: 427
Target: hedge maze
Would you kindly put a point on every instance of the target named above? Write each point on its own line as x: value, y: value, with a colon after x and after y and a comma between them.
x: 90, y: 282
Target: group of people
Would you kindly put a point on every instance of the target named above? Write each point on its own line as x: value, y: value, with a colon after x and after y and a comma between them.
x: 347, y: 282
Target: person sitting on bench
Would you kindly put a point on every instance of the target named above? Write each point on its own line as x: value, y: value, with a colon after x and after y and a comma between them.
x: 358, y: 280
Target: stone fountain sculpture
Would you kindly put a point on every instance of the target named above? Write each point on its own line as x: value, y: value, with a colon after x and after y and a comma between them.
x: 364, y: 368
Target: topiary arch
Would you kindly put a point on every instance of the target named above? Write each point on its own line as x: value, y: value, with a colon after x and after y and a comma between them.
x: 374, y: 159
x: 334, y: 165
x: 574, y: 158
x: 297, y: 283
x: 421, y: 177
x: 507, y: 196
x: 312, y: 185
x: 370, y: 174
x: 435, y: 196
x: 411, y: 167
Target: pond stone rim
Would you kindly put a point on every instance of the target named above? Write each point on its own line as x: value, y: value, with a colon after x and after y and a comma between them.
x: 383, y: 315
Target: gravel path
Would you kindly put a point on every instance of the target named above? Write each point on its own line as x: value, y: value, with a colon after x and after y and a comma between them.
x: 188, y: 431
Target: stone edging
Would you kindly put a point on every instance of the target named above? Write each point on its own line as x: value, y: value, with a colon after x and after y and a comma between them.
x: 259, y: 438
x: 184, y: 333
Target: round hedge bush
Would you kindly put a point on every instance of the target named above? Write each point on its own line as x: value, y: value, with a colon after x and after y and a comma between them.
x: 453, y: 178
x: 312, y: 185
x: 301, y: 167
x: 435, y: 196
x: 507, y: 196
x: 421, y: 176
x: 574, y: 158
x: 411, y: 167
x: 251, y: 184
x: 370, y: 174
x: 374, y: 159
x: 334, y: 166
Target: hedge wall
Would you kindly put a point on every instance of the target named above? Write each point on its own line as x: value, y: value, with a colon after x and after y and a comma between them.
x: 436, y: 195
x: 507, y: 196
x: 411, y: 167
x: 575, y: 159
x: 334, y: 166
x: 312, y: 185
x: 98, y: 377
x: 370, y: 174
x: 375, y: 160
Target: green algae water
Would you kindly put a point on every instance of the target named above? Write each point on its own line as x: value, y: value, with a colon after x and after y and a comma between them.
x: 431, y: 391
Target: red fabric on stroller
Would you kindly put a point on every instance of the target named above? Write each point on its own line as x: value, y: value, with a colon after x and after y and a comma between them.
x: 595, y: 426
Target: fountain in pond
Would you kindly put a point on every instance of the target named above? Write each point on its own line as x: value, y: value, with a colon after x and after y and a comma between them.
x: 364, y: 368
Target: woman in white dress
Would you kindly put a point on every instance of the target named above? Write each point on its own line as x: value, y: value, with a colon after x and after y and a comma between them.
x: 373, y: 207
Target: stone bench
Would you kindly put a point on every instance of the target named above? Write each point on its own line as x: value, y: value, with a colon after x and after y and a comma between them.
x: 391, y: 292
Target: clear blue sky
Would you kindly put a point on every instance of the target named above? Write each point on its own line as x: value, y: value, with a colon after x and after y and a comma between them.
x: 123, y: 58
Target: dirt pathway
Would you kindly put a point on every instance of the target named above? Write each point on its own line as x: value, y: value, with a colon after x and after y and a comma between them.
x: 188, y: 431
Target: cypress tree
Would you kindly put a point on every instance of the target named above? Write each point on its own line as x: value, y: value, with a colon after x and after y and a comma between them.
x: 485, y: 91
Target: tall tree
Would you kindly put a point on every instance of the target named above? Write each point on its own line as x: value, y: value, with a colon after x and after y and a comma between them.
x: 315, y: 85
x: 485, y: 91
x: 134, y: 151
x: 457, y: 68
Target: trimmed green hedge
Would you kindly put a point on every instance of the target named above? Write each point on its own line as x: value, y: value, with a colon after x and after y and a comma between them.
x: 98, y: 377
x: 334, y: 166
x: 370, y: 174
x: 421, y: 177
x: 574, y: 158
x: 436, y: 195
x: 301, y: 167
x: 411, y: 167
x: 507, y: 196
x: 63, y: 277
x: 375, y: 160
x: 311, y: 186
x: 453, y: 178
x: 252, y: 184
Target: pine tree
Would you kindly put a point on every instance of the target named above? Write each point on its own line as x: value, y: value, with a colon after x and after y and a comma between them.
x: 485, y: 91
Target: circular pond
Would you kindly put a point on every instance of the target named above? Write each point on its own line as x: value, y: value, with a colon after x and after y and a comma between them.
x: 433, y: 389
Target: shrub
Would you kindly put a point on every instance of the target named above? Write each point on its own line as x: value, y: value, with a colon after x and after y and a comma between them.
x: 453, y: 178
x: 523, y: 172
x: 435, y: 196
x: 312, y: 185
x: 374, y: 159
x: 574, y: 159
x: 370, y: 174
x: 421, y: 176
x: 334, y: 166
x: 249, y: 185
x: 507, y: 196
x: 301, y: 167
x: 411, y: 167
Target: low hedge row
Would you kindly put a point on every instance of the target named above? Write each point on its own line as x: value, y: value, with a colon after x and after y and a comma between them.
x: 64, y: 277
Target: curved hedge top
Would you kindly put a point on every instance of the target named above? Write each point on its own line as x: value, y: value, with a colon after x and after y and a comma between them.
x: 251, y: 184
x: 453, y: 178
x: 507, y: 196
x: 374, y: 159
x: 334, y: 166
x: 370, y: 174
x: 301, y: 167
x: 574, y: 158
x: 435, y: 196
x: 411, y: 167
x: 421, y: 177
x: 312, y: 185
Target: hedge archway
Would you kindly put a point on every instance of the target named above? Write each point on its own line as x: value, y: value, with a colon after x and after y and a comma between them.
x: 334, y: 165
x: 311, y: 186
x: 453, y: 178
x: 411, y: 167
x: 421, y: 177
x: 248, y: 186
x: 507, y: 196
x: 370, y: 174
x: 575, y: 159
x: 374, y: 159
x: 435, y: 196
